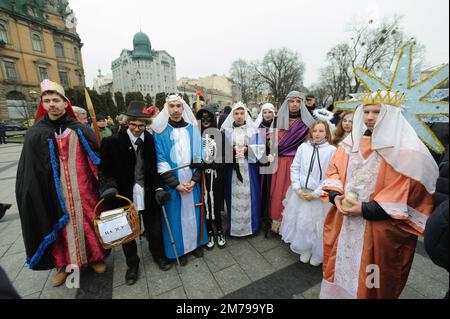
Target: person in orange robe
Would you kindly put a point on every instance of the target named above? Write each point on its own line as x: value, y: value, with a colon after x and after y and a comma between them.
x: 293, y: 123
x: 381, y: 182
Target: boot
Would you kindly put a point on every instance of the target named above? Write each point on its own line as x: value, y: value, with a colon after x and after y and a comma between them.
x: 198, y: 253
x: 221, y: 241
x: 183, y: 260
x: 211, y: 243
x: 99, y: 267
x: 59, y: 278
x: 131, y: 275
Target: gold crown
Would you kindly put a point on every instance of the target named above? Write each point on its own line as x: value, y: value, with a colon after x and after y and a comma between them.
x: 384, y: 97
x: 48, y: 85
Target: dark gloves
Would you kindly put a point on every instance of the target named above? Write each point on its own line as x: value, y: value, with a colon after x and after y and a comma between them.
x: 161, y: 197
x: 332, y: 195
x: 170, y: 179
x: 109, y: 193
x: 200, y: 166
x: 373, y: 211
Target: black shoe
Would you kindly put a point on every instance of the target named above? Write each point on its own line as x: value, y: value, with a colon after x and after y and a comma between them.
x: 163, y: 263
x: 132, y: 275
x: 3, y: 209
x: 198, y: 253
x: 183, y: 260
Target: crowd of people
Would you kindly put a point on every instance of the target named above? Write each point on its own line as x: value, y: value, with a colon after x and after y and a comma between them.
x: 339, y: 192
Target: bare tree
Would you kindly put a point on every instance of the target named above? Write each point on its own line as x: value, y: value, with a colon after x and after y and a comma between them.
x: 242, y: 73
x: 372, y: 48
x: 282, y: 70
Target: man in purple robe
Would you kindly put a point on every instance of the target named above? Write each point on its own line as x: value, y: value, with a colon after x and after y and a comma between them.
x: 292, y: 125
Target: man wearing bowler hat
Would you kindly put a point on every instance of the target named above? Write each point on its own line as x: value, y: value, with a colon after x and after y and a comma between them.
x: 128, y: 167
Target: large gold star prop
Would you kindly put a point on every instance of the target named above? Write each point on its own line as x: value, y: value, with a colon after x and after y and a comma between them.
x: 417, y: 107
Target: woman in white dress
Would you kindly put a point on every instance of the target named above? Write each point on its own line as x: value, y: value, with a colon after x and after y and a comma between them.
x: 304, y: 212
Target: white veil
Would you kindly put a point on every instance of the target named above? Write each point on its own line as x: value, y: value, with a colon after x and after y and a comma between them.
x: 228, y: 123
x: 260, y: 118
x: 162, y: 119
x: 397, y: 142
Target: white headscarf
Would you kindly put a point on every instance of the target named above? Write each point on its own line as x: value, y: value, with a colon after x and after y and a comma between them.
x: 260, y: 118
x: 162, y: 119
x: 397, y: 143
x: 228, y: 123
x: 283, y: 113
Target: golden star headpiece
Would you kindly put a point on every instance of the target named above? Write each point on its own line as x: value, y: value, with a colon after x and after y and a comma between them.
x: 48, y: 85
x: 384, y: 97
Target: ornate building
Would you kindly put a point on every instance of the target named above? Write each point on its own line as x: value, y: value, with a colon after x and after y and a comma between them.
x: 38, y: 40
x: 144, y: 69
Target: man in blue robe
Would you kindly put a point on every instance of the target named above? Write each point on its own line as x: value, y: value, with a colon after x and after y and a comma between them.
x: 178, y: 143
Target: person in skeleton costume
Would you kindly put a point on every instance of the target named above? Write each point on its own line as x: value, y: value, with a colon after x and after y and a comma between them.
x: 380, y: 182
x: 178, y: 144
x: 243, y: 194
x: 214, y: 176
x: 293, y: 124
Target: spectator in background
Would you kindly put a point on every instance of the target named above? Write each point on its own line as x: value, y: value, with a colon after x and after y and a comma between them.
x: 310, y: 103
x: 344, y: 127
x: 436, y: 229
x: 80, y: 114
x: 102, y: 127
x: 121, y: 125
x: 2, y: 133
x: 223, y: 117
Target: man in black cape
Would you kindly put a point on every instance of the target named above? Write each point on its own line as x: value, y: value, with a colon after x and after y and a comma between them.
x: 57, y: 189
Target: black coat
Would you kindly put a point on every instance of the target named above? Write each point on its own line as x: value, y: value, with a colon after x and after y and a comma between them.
x: 436, y: 229
x: 118, y: 160
x: 36, y: 196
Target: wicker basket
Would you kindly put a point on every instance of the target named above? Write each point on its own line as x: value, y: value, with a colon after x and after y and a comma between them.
x: 133, y: 221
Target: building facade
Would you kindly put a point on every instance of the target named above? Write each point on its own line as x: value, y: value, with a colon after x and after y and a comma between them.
x: 38, y: 40
x: 222, y: 88
x: 144, y: 69
x: 103, y: 83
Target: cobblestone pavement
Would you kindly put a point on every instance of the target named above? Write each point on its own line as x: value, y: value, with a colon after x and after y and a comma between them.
x: 253, y: 267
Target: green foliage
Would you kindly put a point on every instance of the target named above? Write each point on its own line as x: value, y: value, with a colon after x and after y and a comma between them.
x: 120, y: 102
x: 133, y: 96
x: 186, y: 99
x: 160, y: 100
x: 148, y: 100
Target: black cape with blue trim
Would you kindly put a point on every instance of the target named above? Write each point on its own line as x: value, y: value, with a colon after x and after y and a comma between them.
x: 36, y: 195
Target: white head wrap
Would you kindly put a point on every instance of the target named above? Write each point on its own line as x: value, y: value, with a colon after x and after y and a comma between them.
x: 228, y: 123
x: 283, y: 113
x: 397, y: 142
x: 162, y: 119
x: 260, y: 118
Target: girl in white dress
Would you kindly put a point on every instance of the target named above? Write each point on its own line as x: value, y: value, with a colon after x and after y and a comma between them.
x: 304, y: 212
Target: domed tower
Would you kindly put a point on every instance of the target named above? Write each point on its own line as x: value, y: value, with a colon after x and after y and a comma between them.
x: 142, y: 48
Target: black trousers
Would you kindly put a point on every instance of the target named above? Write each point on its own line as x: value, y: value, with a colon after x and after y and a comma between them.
x: 219, y: 191
x: 153, y: 233
x: 2, y: 139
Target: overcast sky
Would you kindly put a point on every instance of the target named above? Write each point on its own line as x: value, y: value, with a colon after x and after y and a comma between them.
x: 206, y: 36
